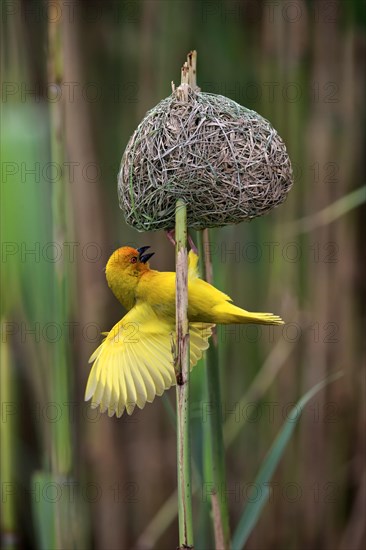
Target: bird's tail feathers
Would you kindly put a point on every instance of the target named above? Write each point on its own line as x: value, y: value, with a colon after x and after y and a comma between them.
x: 229, y: 313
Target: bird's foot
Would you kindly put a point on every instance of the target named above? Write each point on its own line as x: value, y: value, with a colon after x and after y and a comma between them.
x: 171, y: 237
x: 192, y: 245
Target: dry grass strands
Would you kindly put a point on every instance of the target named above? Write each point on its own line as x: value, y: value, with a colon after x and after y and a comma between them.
x: 225, y: 161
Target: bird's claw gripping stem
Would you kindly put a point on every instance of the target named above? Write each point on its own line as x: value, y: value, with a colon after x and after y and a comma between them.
x: 192, y: 245
x: 171, y: 236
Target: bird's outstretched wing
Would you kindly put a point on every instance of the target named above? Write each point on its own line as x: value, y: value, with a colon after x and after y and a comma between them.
x: 135, y: 363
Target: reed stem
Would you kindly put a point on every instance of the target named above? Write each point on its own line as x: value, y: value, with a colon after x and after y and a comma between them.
x: 55, y: 526
x: 7, y: 432
x: 61, y: 451
x: 182, y: 374
x: 215, y: 475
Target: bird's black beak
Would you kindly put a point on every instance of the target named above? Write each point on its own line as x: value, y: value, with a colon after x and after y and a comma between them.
x: 144, y: 257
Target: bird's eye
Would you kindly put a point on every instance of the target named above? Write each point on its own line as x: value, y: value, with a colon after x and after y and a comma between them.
x: 133, y: 260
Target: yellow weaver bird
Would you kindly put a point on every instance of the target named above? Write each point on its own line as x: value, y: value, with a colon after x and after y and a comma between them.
x: 134, y: 363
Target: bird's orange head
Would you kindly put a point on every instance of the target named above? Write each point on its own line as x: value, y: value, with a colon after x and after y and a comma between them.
x: 131, y: 261
x: 123, y: 272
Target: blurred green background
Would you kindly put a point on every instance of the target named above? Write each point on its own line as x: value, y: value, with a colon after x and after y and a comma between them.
x: 77, y: 78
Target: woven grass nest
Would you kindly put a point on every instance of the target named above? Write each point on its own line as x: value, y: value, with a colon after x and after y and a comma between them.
x: 225, y: 161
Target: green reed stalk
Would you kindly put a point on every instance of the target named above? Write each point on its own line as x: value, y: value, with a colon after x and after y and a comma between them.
x: 7, y: 431
x: 61, y: 459
x: 56, y: 522
x: 182, y: 374
x: 214, y: 450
